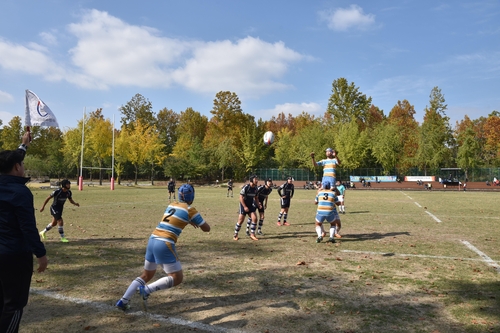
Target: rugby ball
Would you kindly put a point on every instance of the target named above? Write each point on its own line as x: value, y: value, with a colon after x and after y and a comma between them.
x: 268, y: 138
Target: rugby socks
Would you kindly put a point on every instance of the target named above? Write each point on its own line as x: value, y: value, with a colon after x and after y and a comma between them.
x: 333, y: 231
x: 48, y: 227
x: 163, y: 283
x: 284, y: 217
x: 319, y: 230
x: 248, y: 223
x: 261, y: 223
x: 132, y: 289
x: 279, y: 217
x: 252, y: 227
x: 61, y: 231
x: 237, y: 228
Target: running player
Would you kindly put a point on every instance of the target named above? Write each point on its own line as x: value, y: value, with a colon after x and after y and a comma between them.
x: 326, y: 199
x: 249, y: 201
x: 285, y: 191
x: 56, y: 209
x: 161, y: 248
x: 171, y: 189
x: 263, y: 192
x: 329, y: 164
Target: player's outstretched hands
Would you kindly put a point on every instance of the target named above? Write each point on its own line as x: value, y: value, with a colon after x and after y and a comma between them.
x: 312, y: 155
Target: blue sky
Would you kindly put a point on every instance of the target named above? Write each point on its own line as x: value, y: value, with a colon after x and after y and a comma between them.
x: 277, y: 56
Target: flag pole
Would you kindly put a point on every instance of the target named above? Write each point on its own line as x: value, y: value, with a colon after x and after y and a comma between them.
x: 80, y: 179
x: 113, y: 157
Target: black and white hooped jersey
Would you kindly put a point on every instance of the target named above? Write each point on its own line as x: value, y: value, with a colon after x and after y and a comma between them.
x: 263, y: 192
x: 248, y: 192
x: 60, y: 197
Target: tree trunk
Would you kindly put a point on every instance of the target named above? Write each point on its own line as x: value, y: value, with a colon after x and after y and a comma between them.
x: 136, y: 171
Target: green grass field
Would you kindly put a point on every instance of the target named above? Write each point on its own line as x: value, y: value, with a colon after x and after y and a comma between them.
x: 408, y: 262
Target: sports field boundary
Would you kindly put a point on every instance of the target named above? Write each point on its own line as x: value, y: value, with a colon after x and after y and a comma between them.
x: 109, y: 308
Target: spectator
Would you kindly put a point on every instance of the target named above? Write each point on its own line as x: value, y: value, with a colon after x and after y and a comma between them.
x: 496, y: 182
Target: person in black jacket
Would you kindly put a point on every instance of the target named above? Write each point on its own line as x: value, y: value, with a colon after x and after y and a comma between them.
x: 19, y: 238
x: 285, y: 192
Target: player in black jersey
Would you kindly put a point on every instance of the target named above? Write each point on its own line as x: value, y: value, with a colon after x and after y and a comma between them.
x: 171, y: 189
x: 56, y: 209
x: 263, y: 192
x: 248, y: 203
x: 230, y: 188
x: 285, y: 191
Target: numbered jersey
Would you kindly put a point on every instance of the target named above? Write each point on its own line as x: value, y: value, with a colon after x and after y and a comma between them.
x: 326, y: 200
x: 176, y: 217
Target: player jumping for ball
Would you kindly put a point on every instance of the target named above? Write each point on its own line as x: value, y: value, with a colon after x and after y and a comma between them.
x: 329, y: 164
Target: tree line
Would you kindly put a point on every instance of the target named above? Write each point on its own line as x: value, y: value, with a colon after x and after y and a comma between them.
x: 189, y: 145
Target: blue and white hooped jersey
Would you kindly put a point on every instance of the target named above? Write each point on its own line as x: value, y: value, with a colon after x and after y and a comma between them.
x: 329, y: 166
x: 326, y: 200
x: 176, y: 217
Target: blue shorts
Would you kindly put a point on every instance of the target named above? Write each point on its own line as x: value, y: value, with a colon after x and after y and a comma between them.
x: 333, y: 216
x: 251, y: 209
x: 161, y: 252
x: 328, y: 179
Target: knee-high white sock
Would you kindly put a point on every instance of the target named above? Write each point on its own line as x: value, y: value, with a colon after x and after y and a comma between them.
x: 160, y: 284
x: 333, y: 231
x: 319, y: 230
x: 132, y: 289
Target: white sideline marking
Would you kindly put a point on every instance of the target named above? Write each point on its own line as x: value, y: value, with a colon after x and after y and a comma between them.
x: 390, y: 254
x: 434, y: 217
x: 416, y: 203
x: 486, y: 259
x: 106, y: 307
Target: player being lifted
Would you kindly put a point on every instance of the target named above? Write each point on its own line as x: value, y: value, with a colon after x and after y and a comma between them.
x: 263, y: 192
x: 329, y: 164
x: 249, y: 201
x: 56, y: 209
x: 327, y: 200
x: 161, y: 248
x: 285, y: 192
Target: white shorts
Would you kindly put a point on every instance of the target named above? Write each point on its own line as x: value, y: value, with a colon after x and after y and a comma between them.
x: 341, y: 198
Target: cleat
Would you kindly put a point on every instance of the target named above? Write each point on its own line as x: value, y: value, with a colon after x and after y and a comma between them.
x: 331, y: 240
x: 319, y: 239
x: 248, y: 232
x: 122, y: 306
x: 259, y: 232
x: 144, y: 296
x: 42, y: 235
x: 235, y: 237
x: 286, y: 223
x: 343, y: 212
x: 337, y: 236
x: 64, y: 240
x: 252, y: 236
x: 278, y: 224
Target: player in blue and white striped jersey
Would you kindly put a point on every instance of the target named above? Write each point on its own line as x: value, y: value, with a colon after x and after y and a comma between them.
x: 327, y: 200
x: 161, y: 248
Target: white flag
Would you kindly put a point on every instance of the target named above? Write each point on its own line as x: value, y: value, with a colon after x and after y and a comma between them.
x: 37, y: 112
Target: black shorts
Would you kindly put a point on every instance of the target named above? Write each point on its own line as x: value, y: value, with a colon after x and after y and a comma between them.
x: 56, y: 212
x: 251, y: 209
x: 171, y: 190
x: 285, y: 202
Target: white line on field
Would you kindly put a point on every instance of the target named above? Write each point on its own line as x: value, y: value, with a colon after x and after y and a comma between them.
x: 105, y: 307
x: 416, y: 203
x: 391, y: 254
x: 486, y: 259
x: 434, y: 217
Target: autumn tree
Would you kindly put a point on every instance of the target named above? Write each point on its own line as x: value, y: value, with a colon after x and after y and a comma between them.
x: 138, y: 108
x: 402, y: 116
x: 386, y: 146
x: 167, y: 122
x: 99, y: 135
x: 11, y: 134
x: 347, y: 103
x: 492, y: 135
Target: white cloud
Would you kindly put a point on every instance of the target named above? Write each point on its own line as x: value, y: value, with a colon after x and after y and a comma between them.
x: 6, y: 117
x: 48, y: 38
x: 116, y: 53
x: 6, y: 97
x: 343, y: 19
x: 294, y: 109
